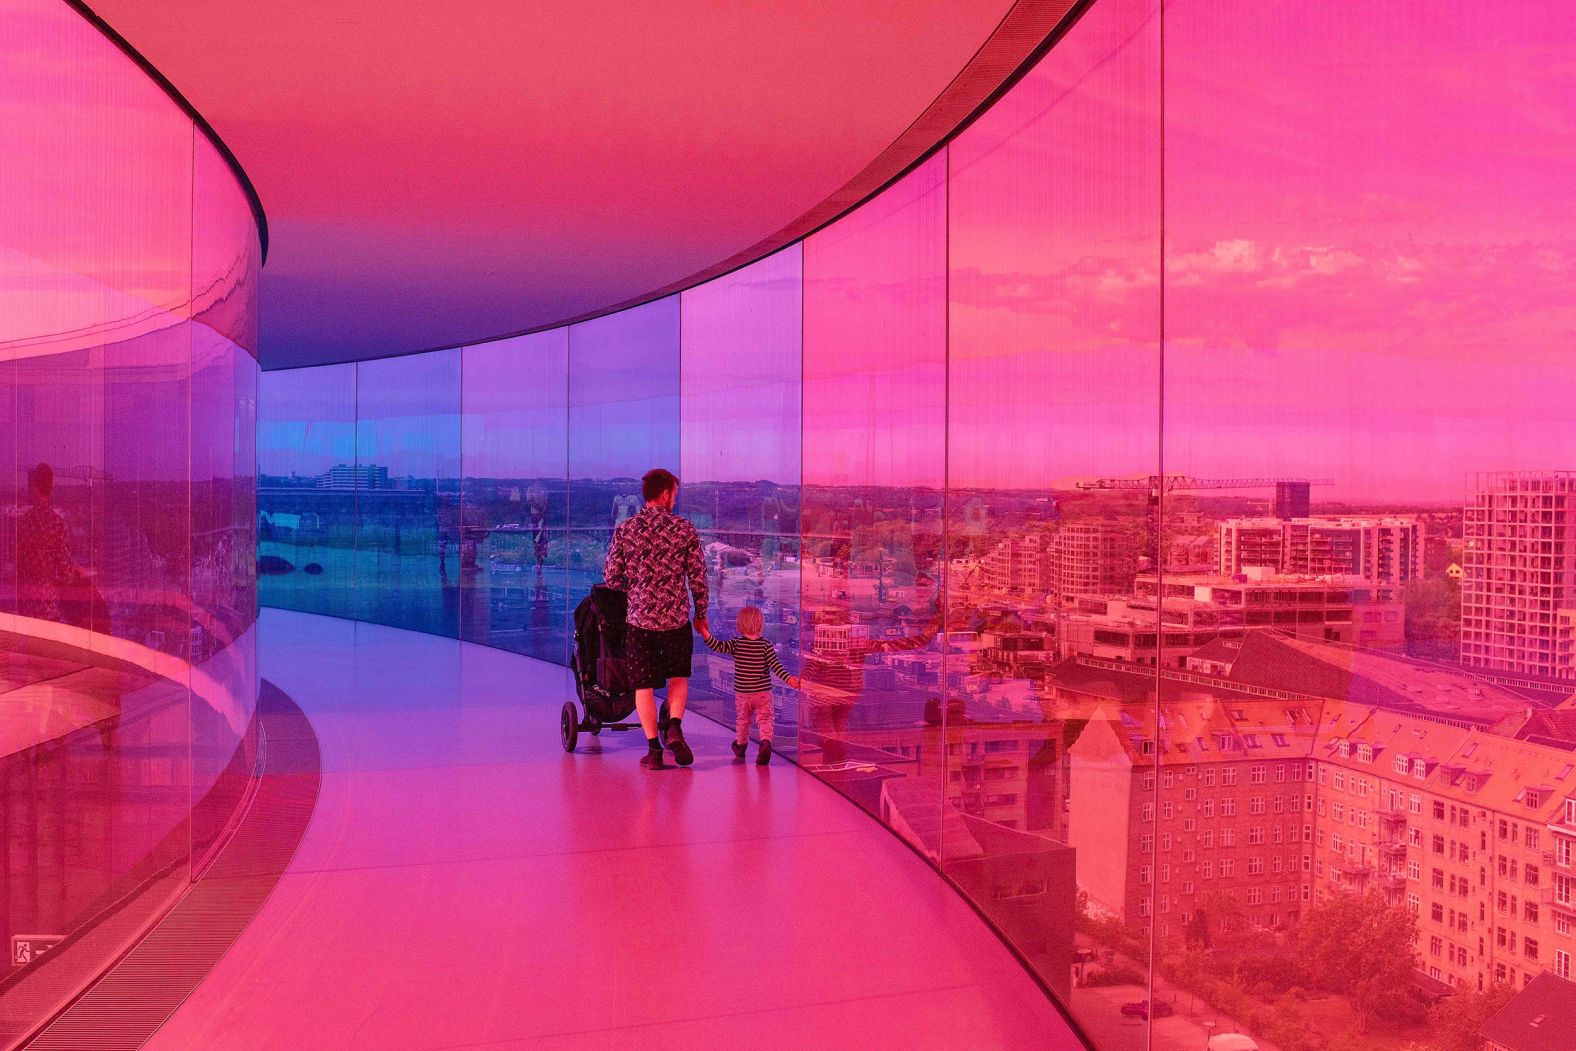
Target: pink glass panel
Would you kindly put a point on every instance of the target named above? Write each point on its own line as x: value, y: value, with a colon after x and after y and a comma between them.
x: 126, y: 538
x: 871, y: 525
x: 1054, y: 370
x: 740, y: 404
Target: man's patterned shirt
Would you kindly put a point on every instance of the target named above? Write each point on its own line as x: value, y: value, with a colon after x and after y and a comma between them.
x: 649, y: 559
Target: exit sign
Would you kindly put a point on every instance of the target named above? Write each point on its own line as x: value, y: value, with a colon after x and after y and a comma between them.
x: 25, y: 948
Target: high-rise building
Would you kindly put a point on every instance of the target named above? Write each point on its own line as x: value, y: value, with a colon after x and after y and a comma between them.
x: 1093, y: 558
x: 1292, y: 500
x: 1520, y: 572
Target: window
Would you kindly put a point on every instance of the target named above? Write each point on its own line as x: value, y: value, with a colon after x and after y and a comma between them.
x: 1436, y: 912
x: 1562, y: 924
x: 1530, y: 874
x: 1207, y: 839
x: 1529, y: 948
x: 1228, y: 807
x: 1439, y: 810
x: 1228, y: 868
x: 1532, y: 838
x: 1562, y: 963
x: 1228, y: 777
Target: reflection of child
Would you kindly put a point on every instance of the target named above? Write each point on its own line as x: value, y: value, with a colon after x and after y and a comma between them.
x: 754, y: 663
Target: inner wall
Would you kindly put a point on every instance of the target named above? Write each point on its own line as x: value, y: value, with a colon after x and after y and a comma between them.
x: 1174, y: 739
x: 129, y: 256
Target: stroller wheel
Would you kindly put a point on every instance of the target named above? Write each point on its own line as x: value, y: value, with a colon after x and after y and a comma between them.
x: 569, y: 726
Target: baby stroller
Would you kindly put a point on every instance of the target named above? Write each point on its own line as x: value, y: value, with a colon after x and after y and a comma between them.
x: 601, y: 671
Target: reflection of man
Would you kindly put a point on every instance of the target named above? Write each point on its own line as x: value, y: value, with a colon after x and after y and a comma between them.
x: 43, y: 555
x: 650, y: 558
x: 834, y: 679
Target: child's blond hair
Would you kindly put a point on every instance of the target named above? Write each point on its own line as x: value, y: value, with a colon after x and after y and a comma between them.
x: 751, y: 622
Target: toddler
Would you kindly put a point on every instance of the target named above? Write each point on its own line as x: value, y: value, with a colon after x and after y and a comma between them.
x: 754, y: 662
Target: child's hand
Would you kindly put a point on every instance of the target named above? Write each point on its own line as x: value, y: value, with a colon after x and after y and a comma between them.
x: 795, y: 682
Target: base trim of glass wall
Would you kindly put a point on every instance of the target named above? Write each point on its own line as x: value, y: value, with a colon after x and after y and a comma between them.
x: 164, y: 953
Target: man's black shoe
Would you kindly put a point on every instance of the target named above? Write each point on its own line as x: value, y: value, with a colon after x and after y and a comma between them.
x: 764, y: 756
x: 739, y: 749
x: 677, y: 745
x: 652, y: 760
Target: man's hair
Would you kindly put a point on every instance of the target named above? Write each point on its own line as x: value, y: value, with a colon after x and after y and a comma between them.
x: 656, y: 482
x: 751, y: 621
x: 41, y: 479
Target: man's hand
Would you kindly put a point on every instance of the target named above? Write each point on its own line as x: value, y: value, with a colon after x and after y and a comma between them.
x: 702, y: 627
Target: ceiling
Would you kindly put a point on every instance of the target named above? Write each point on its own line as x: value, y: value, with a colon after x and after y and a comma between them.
x: 438, y: 173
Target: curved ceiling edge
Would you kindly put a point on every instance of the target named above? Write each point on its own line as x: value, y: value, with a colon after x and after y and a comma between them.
x: 259, y: 216
x: 1029, y: 29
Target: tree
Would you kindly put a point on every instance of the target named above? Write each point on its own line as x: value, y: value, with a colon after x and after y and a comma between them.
x: 1197, y: 933
x: 1455, y: 1021
x: 1361, y: 946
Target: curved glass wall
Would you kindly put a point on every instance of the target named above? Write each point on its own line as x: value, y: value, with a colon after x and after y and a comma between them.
x: 1167, y: 491
x: 128, y: 393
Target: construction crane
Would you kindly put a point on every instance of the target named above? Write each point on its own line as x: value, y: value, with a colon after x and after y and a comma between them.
x: 1295, y: 489
x: 1174, y: 482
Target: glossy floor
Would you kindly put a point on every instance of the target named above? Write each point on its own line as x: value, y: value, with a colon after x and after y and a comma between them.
x: 465, y: 883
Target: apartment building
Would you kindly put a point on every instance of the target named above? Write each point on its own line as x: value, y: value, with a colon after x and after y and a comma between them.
x: 1380, y: 550
x: 1333, y: 608
x: 1519, y: 573
x: 1252, y: 804
x: 1210, y: 801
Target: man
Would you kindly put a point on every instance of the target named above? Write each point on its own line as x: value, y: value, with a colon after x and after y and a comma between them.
x: 650, y: 558
x: 43, y: 557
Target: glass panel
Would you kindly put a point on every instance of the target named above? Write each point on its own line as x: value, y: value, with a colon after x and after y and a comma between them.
x: 1367, y: 317
x: 1054, y: 369
x: 411, y: 547
x: 306, y: 497
x: 515, y: 436
x: 623, y: 421
x: 117, y: 570
x: 223, y: 495
x: 741, y: 385
x: 873, y: 466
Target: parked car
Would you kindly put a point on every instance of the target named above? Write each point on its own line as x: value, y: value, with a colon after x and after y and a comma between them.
x: 1143, y: 1009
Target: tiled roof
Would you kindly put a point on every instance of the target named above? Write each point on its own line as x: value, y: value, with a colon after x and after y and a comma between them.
x: 1542, y: 1017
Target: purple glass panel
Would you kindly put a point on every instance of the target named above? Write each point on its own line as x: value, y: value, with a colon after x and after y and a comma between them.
x: 411, y: 548
x: 515, y: 494
x: 742, y: 357
x: 623, y: 421
x: 1054, y: 370
x: 871, y: 525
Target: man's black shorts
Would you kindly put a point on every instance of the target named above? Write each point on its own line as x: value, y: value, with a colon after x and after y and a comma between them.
x: 657, y: 656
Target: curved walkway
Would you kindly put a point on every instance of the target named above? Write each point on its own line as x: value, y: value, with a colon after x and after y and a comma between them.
x: 465, y: 883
